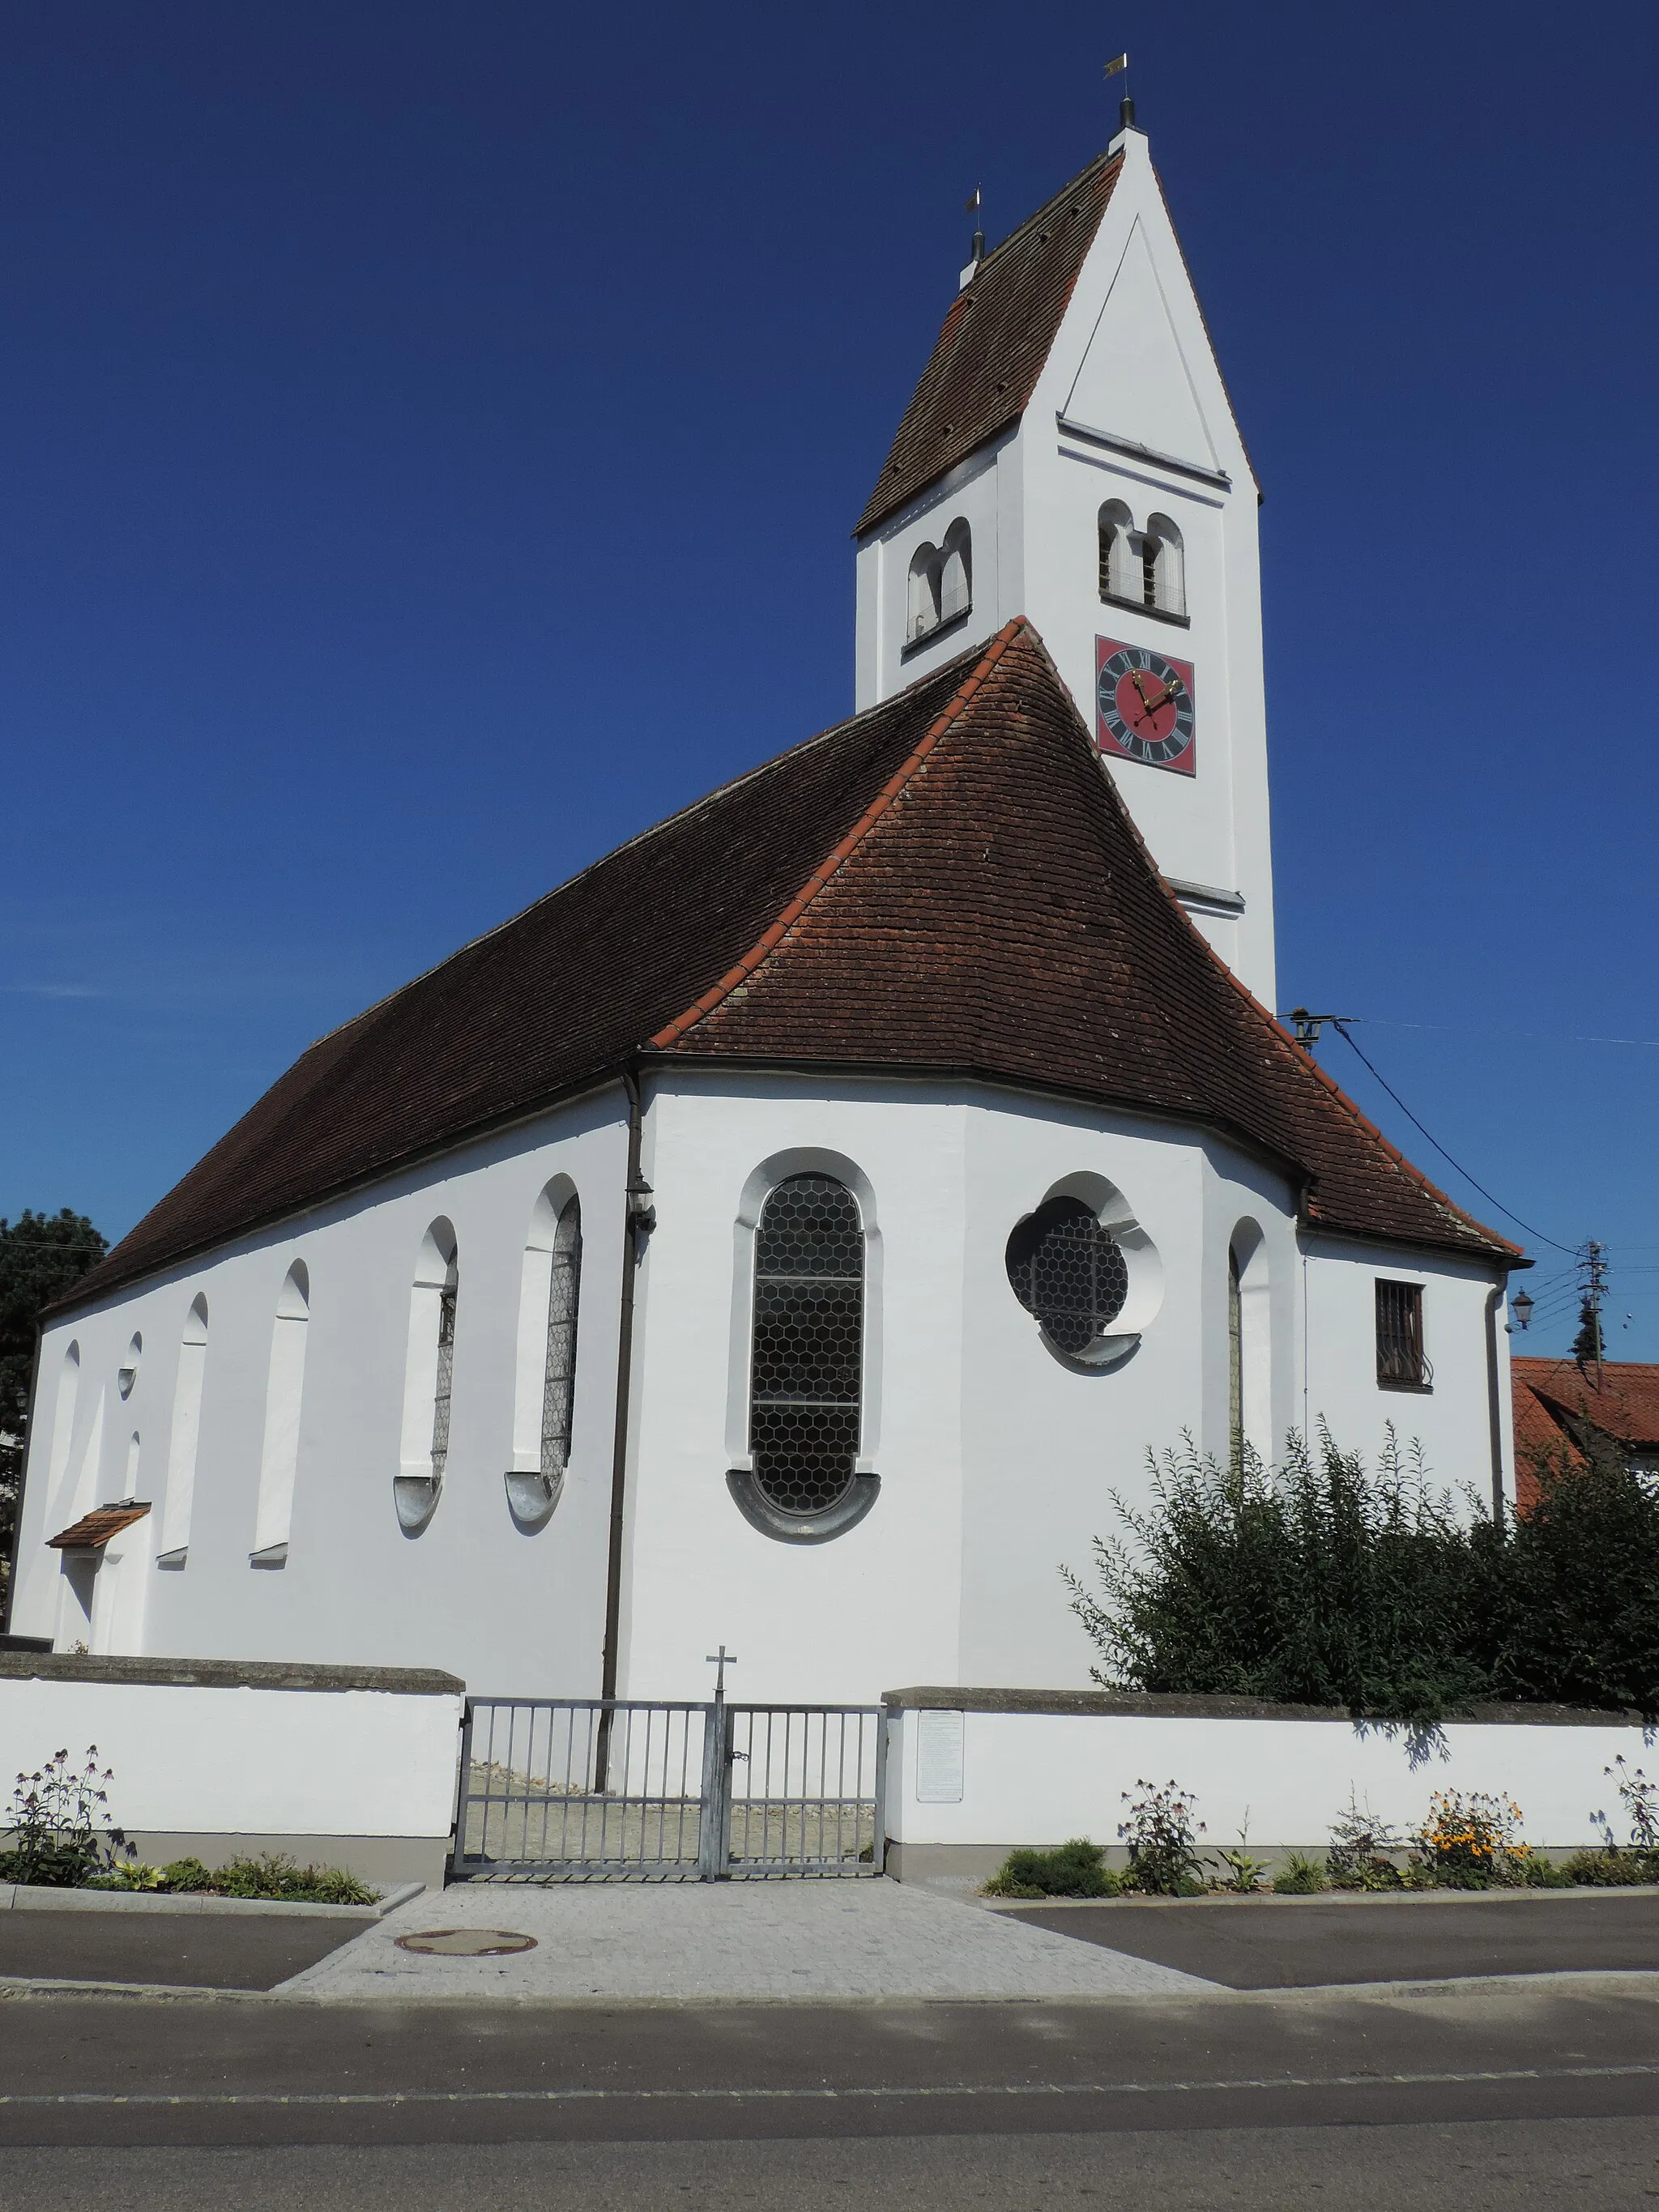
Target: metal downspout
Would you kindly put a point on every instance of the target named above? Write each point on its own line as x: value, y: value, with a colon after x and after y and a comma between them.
x: 638, y: 1219
x: 1494, y: 1401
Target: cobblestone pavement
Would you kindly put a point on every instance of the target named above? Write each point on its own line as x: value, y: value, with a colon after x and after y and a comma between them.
x: 799, y: 1940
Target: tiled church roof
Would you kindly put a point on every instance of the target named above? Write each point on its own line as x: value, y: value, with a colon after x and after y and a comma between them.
x: 949, y: 882
x: 994, y: 342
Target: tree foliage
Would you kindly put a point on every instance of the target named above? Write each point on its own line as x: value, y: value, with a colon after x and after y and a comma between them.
x: 1304, y: 1583
x: 1316, y: 1582
x: 41, y: 1256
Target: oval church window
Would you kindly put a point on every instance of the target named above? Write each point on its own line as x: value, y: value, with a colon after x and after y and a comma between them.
x: 1069, y: 1273
x: 807, y: 1370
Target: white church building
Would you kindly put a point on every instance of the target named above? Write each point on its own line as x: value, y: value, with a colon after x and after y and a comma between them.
x: 789, y: 1232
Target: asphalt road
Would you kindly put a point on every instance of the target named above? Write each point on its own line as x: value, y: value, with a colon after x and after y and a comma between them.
x: 1524, y: 2165
x: 1537, y: 2094
x: 242, y: 2072
x: 1311, y: 1942
x: 192, y: 1950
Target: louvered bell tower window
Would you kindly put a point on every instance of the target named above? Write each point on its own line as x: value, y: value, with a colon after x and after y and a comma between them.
x: 807, y: 1371
x: 1069, y: 1273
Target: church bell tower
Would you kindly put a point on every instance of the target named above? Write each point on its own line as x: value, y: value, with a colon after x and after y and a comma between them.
x: 1071, y: 454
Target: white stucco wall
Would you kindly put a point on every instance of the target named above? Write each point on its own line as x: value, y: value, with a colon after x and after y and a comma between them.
x: 1033, y: 498
x: 230, y: 1762
x: 997, y: 1457
x: 472, y: 1592
x: 1451, y: 1419
x: 1036, y: 1778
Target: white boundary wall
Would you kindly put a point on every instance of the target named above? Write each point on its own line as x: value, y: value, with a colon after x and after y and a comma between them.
x: 964, y: 1786
x: 363, y: 1778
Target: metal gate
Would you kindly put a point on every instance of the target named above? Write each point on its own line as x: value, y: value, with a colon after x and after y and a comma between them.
x: 564, y: 1789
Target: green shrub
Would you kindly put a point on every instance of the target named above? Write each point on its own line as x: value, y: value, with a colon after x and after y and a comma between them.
x: 1572, y: 1611
x: 1316, y: 1582
x: 186, y: 1873
x: 1538, y: 1872
x: 1300, y: 1876
x: 1308, y: 1583
x: 1611, y: 1870
x: 274, y: 1876
x: 1077, y: 1868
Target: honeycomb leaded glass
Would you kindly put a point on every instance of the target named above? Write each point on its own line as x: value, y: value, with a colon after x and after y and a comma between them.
x: 559, y: 1381
x: 441, y: 1395
x: 1069, y: 1272
x: 807, y: 1372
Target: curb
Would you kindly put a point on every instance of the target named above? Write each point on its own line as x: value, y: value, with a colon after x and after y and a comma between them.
x: 21, y: 1896
x: 1011, y: 1906
x: 1638, y: 1982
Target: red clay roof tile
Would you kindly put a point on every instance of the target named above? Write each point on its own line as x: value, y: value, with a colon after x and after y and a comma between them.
x: 949, y: 882
x: 995, y: 341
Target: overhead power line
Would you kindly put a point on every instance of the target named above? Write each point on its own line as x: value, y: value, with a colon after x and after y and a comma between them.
x: 1339, y: 1023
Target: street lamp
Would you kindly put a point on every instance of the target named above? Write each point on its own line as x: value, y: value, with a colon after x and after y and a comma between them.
x: 1521, y: 1306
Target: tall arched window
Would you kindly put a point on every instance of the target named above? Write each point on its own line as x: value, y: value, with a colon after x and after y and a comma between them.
x: 429, y: 1377
x: 807, y: 1371
x: 922, y: 607
x: 1118, y: 579
x: 1249, y: 1345
x: 284, y: 1392
x: 182, y: 1443
x: 559, y: 1381
x: 545, y: 1399
x: 1163, y: 582
x: 957, y: 584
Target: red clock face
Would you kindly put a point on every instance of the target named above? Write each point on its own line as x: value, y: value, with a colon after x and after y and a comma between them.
x: 1144, y: 709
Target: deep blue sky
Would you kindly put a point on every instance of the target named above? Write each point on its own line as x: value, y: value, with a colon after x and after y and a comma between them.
x: 431, y: 435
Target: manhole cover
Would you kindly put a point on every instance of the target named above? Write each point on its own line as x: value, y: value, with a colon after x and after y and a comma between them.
x: 466, y: 1942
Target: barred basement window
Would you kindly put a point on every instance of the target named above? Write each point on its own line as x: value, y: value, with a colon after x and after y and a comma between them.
x: 1069, y: 1271
x: 559, y: 1384
x: 807, y: 1368
x: 1401, y: 1365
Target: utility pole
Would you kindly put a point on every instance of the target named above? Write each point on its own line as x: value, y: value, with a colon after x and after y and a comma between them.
x: 1592, y: 1293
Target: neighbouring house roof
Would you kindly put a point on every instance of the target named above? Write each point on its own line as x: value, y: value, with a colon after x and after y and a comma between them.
x: 1538, y: 1435
x: 1623, y: 1403
x: 948, y: 883
x: 94, y: 1529
x: 994, y: 342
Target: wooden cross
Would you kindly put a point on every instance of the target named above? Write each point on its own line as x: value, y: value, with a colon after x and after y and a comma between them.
x: 722, y: 1659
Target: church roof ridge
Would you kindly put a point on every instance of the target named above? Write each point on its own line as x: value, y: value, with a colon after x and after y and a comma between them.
x: 746, y: 966
x: 948, y: 883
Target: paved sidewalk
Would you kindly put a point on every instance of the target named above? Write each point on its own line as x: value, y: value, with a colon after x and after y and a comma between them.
x: 1305, y: 1942
x: 797, y: 1941
x: 190, y: 1950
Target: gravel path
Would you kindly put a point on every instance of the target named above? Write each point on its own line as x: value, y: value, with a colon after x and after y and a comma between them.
x: 689, y: 1941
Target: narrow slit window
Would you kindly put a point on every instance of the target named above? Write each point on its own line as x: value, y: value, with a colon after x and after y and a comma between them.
x: 443, y: 1387
x: 559, y: 1380
x: 1235, y: 1360
x: 807, y: 1375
